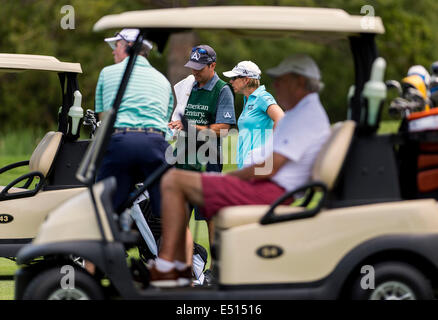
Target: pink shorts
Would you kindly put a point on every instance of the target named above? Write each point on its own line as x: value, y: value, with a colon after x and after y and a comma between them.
x: 223, y: 190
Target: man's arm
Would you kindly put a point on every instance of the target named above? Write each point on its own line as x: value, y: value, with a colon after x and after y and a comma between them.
x: 98, y: 101
x: 216, y: 127
x: 262, y: 171
x: 170, y: 105
x: 225, y: 114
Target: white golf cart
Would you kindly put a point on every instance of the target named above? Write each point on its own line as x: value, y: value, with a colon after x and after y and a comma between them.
x: 262, y: 252
x: 26, y: 201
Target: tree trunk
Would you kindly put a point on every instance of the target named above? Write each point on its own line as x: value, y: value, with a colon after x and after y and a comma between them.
x: 180, y: 46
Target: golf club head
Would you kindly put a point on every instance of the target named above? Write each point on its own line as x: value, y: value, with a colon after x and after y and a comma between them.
x: 390, y: 84
x: 434, y: 68
x: 415, y: 97
x: 397, y: 107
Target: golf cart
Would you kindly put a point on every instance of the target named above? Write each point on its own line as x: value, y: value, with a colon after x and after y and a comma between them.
x: 26, y: 201
x: 311, y: 251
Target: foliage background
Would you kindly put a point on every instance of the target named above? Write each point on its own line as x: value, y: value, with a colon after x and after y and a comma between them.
x: 31, y: 99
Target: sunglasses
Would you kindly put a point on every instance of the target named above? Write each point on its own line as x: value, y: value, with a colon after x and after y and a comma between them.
x: 236, y: 77
x: 201, y: 51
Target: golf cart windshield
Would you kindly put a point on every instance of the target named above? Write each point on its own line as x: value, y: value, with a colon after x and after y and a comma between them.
x: 67, y: 73
x: 312, y: 24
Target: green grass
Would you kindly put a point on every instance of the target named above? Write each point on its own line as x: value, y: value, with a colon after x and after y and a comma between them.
x: 389, y: 126
x: 17, y: 146
x: 19, y: 142
x: 12, y: 174
x: 6, y: 290
x: 7, y: 267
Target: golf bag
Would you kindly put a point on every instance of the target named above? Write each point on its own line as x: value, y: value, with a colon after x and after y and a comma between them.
x: 419, y: 155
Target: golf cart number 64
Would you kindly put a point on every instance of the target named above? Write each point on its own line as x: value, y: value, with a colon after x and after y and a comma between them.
x: 240, y: 309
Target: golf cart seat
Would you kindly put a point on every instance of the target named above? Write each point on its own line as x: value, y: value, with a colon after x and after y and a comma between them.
x: 40, y: 164
x: 325, y: 171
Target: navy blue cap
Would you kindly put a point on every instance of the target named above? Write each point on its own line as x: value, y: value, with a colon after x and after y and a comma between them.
x: 201, y: 56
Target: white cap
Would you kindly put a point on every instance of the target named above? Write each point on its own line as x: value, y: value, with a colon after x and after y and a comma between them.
x: 245, y: 69
x: 128, y: 35
x: 420, y: 71
x: 300, y: 64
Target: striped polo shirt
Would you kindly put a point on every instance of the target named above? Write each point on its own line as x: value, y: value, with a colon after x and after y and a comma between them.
x: 148, y: 99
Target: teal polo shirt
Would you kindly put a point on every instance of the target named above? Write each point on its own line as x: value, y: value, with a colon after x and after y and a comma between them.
x: 254, y: 123
x: 148, y: 99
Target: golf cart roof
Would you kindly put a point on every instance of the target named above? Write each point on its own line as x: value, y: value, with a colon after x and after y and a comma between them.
x: 302, y: 21
x: 20, y: 62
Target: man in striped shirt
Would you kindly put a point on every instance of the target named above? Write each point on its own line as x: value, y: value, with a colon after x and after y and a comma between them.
x: 137, y: 146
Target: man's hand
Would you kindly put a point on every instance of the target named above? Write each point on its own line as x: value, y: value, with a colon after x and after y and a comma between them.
x: 177, y: 124
x: 220, y: 129
x: 217, y: 128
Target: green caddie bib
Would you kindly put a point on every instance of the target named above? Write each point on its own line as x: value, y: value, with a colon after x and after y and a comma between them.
x: 201, y: 109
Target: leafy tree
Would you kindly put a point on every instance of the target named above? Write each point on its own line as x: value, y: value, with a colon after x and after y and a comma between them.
x: 32, y: 99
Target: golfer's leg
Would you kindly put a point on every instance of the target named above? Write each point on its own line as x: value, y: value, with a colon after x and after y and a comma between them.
x: 190, y: 184
x: 177, y: 186
x: 210, y: 226
x: 189, y: 248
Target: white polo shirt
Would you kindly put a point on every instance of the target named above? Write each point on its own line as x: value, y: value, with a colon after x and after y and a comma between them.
x: 299, y: 136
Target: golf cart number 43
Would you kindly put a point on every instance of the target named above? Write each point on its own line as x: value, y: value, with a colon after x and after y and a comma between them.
x: 6, y: 218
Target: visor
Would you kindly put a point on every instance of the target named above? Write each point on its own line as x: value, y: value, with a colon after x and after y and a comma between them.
x: 194, y: 65
x: 129, y: 35
x: 247, y: 69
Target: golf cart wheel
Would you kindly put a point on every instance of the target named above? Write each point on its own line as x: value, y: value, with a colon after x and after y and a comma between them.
x: 47, y: 286
x: 394, y: 281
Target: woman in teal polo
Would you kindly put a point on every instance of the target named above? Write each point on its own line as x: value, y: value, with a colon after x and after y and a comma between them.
x: 260, y: 113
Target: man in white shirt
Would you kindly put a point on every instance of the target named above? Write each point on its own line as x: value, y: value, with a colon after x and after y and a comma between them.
x: 298, y: 137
